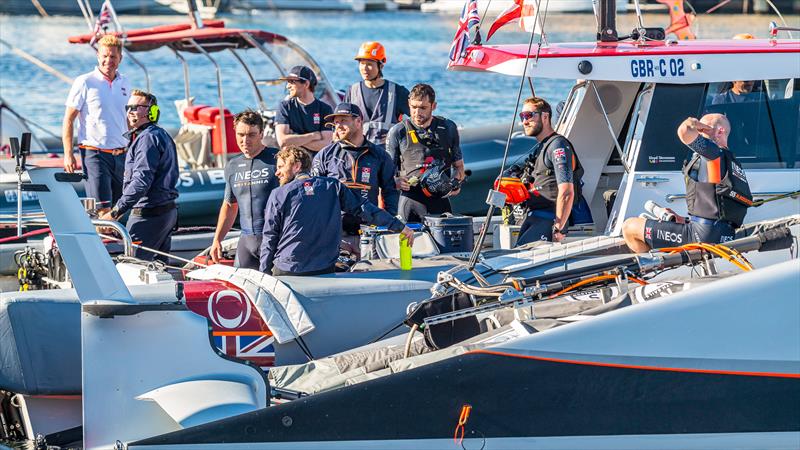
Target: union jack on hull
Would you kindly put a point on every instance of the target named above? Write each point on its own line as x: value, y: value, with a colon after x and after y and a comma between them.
x: 469, y: 18
x: 259, y: 350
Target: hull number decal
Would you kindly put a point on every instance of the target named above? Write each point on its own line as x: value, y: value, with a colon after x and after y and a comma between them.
x: 662, y: 67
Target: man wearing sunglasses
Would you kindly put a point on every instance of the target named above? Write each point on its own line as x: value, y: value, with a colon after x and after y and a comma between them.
x: 151, y: 173
x: 300, y: 118
x: 97, y: 99
x: 553, y: 174
x: 360, y: 165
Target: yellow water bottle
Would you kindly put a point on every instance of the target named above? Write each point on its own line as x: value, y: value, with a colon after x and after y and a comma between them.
x: 405, y: 253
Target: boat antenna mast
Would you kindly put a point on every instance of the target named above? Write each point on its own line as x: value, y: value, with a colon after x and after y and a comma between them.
x: 194, y: 14
x: 607, y: 25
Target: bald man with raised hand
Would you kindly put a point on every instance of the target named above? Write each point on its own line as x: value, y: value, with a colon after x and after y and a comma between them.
x: 717, y: 192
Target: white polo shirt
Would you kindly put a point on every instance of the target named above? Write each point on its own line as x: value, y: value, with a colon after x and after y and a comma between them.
x: 101, y: 106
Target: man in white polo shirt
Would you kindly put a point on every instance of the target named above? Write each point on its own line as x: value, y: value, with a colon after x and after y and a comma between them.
x: 97, y: 99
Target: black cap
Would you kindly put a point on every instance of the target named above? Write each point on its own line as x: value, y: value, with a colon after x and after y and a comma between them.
x: 301, y: 73
x: 345, y: 109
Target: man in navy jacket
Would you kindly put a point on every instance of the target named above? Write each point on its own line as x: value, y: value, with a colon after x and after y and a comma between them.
x: 151, y: 173
x: 303, y: 218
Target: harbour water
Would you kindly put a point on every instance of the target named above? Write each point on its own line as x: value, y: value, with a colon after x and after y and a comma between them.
x: 417, y: 46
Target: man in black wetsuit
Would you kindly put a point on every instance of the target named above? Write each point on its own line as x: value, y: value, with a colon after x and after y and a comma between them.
x: 553, y: 173
x: 249, y: 179
x: 424, y: 143
x: 717, y: 192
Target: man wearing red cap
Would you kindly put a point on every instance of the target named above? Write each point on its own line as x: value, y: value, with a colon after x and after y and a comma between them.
x: 382, y: 102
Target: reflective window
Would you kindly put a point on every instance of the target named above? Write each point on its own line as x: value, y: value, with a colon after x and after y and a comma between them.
x: 764, y: 120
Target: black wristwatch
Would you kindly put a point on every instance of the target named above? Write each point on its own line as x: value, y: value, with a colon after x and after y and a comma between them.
x: 559, y: 230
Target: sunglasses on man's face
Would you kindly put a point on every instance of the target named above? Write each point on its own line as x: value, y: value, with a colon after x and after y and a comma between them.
x: 130, y: 108
x: 528, y: 115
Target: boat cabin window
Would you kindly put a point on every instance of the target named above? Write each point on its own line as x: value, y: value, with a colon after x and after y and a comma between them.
x: 763, y: 115
x: 764, y: 120
x: 663, y: 108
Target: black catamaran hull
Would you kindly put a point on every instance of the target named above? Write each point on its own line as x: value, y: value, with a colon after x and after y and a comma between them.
x: 523, y: 401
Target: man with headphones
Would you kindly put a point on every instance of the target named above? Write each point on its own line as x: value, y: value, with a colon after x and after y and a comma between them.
x: 382, y: 102
x: 151, y: 173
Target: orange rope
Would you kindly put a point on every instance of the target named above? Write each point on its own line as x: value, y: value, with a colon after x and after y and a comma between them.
x: 717, y: 249
x: 458, y: 434
x: 582, y: 283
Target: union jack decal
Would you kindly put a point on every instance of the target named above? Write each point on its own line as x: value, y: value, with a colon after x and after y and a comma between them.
x: 257, y: 347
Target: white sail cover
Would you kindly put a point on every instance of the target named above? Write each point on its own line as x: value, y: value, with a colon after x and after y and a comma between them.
x: 275, y: 302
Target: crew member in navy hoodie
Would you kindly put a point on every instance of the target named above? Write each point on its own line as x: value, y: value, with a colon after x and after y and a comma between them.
x: 303, y: 218
x: 151, y: 174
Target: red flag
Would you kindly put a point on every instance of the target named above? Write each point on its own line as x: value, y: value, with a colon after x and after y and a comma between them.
x: 680, y: 22
x: 522, y: 11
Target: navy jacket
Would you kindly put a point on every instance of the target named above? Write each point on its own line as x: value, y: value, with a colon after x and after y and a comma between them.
x: 303, y: 223
x: 363, y: 169
x: 151, y: 169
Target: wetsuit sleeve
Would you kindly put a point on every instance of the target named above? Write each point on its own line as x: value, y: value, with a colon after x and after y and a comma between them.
x: 369, y: 213
x: 393, y: 145
x: 455, y: 141
x: 559, y: 156
x: 273, y: 224
x: 391, y: 196
x: 144, y: 164
x: 402, y: 101
x: 705, y: 148
x: 229, y: 197
x: 282, y: 116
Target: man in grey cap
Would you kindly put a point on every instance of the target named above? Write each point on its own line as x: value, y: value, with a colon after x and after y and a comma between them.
x: 360, y: 165
x: 300, y: 118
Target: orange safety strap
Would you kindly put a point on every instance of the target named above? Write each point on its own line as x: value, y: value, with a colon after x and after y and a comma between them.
x: 458, y: 435
x: 714, y: 170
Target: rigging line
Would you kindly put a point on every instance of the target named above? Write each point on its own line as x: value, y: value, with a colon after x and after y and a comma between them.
x: 485, y: 11
x: 542, y: 34
x: 775, y: 8
x: 473, y: 260
x: 519, y: 96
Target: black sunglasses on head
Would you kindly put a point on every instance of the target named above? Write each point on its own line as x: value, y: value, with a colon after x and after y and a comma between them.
x: 528, y: 115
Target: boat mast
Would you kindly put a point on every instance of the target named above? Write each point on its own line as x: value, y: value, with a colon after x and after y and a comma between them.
x: 607, y: 25
x: 194, y: 14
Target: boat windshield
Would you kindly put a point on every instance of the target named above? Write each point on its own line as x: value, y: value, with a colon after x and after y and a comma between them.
x: 763, y: 115
x: 764, y: 120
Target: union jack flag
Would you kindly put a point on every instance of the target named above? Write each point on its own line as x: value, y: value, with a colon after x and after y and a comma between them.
x: 469, y: 18
x: 258, y: 349
x: 104, y: 18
